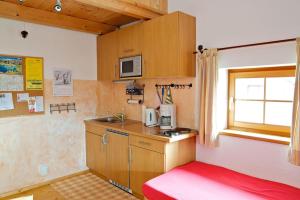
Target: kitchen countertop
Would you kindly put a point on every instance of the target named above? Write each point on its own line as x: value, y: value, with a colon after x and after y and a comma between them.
x: 137, y: 128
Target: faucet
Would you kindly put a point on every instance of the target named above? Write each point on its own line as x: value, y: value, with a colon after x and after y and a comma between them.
x: 120, y: 116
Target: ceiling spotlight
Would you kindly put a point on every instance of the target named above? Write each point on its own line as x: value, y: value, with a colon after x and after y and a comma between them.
x: 21, y: 1
x: 57, y: 6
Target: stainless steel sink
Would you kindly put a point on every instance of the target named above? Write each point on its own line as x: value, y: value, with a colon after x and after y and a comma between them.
x: 108, y: 119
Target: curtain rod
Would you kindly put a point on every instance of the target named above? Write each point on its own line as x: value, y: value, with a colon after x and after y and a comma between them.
x: 257, y: 44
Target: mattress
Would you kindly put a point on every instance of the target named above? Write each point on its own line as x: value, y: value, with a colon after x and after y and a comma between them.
x: 200, y: 181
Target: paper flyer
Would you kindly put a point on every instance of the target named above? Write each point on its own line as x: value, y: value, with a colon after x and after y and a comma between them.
x: 11, y: 65
x: 11, y: 82
x: 31, y: 104
x: 39, y: 104
x: 6, y: 101
x: 36, y: 104
x: 22, y: 97
x: 63, y: 83
x: 34, y: 73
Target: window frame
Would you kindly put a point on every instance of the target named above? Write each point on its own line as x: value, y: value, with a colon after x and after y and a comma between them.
x: 277, y: 130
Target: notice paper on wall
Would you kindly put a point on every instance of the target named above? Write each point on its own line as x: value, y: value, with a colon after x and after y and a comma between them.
x: 62, y: 83
x: 6, y: 101
x: 34, y: 73
x: 31, y: 104
x: 36, y: 104
x: 39, y: 104
x: 22, y: 97
x: 11, y: 82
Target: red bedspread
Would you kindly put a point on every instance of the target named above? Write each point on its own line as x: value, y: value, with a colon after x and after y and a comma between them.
x: 200, y: 181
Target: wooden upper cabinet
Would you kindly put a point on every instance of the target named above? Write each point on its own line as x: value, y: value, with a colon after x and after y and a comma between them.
x: 108, y: 60
x: 168, y: 45
x: 130, y: 41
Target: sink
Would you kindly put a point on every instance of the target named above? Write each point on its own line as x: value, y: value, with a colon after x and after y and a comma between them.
x: 108, y: 119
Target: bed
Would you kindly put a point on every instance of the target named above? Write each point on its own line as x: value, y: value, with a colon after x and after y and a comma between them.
x: 200, y: 181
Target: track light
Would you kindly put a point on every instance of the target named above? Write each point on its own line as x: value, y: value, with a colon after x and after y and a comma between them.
x: 57, y: 6
x: 21, y: 1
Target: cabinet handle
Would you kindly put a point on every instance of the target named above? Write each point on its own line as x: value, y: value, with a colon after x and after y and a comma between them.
x: 130, y: 155
x: 128, y: 50
x: 104, y: 139
x: 144, y: 143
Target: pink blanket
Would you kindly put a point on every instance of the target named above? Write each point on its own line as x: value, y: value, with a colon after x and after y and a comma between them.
x: 200, y: 181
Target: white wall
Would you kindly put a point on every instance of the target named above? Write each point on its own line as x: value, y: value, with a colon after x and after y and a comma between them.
x: 60, y: 48
x: 234, y: 22
x: 56, y: 141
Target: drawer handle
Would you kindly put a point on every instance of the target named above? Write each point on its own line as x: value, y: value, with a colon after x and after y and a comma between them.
x: 144, y: 143
x: 128, y: 50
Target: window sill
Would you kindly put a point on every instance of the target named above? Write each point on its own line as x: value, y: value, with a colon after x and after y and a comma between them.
x: 256, y: 136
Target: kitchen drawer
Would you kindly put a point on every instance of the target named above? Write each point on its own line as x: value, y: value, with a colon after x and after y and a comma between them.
x: 98, y: 130
x: 149, y: 144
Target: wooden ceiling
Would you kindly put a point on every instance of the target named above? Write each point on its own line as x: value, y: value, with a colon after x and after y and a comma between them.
x: 95, y: 16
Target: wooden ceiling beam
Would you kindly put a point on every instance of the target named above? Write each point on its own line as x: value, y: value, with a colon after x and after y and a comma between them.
x: 33, y: 15
x: 123, y: 7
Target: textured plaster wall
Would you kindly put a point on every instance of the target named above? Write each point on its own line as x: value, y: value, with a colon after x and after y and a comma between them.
x: 56, y: 140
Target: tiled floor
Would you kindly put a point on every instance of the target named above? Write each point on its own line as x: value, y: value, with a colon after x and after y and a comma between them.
x: 86, y: 186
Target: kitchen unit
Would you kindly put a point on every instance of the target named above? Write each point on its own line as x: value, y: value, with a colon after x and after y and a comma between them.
x: 165, y: 43
x: 131, y: 153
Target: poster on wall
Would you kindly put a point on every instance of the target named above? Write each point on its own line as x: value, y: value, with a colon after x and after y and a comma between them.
x: 6, y: 101
x: 11, y: 78
x: 31, y: 104
x: 62, y: 83
x: 11, y: 65
x: 34, y: 73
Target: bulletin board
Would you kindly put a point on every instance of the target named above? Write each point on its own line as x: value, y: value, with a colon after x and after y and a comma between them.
x: 21, y: 86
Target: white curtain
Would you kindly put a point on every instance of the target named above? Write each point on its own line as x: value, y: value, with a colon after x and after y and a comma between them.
x: 208, y: 79
x: 294, y: 152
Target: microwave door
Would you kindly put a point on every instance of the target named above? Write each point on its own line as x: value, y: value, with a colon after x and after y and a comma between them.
x: 127, y: 68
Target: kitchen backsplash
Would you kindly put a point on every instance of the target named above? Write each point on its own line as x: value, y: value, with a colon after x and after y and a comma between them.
x: 112, y: 99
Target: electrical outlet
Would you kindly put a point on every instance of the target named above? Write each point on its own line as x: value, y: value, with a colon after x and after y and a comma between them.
x: 43, y: 170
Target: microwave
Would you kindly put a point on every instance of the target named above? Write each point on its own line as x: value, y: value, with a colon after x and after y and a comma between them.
x: 131, y: 67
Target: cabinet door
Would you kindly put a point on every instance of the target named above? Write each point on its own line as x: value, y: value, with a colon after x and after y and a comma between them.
x: 161, y: 47
x: 96, y: 153
x: 118, y: 162
x: 107, y: 56
x: 144, y: 165
x: 130, y: 41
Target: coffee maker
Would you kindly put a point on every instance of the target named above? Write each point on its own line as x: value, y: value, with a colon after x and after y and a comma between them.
x: 167, y: 116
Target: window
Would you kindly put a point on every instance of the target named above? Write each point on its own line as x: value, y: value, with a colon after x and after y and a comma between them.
x: 261, y: 100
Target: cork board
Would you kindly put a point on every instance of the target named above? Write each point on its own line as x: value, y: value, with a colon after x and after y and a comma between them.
x: 27, y: 68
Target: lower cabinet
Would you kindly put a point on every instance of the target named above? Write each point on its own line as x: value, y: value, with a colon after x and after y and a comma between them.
x: 144, y: 165
x: 96, y: 156
x: 132, y: 160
